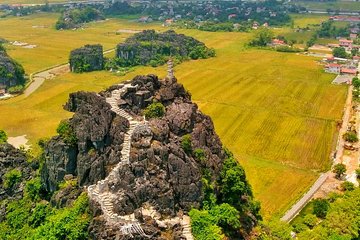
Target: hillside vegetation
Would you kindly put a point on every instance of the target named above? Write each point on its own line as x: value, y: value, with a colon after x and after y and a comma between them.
x: 151, y: 48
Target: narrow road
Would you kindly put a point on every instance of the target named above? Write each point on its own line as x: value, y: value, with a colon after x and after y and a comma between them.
x: 38, y: 78
x: 325, y: 178
x: 296, y: 208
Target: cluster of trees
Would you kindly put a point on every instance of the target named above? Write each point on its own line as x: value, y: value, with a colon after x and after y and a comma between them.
x: 73, y: 18
x: 228, y: 201
x: 33, y: 216
x: 87, y: 58
x: 151, y: 48
x: 12, y: 74
x: 337, y: 217
x: 328, y: 30
x: 262, y: 38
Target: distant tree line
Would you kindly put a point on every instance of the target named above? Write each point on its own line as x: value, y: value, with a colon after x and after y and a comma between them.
x: 73, y: 18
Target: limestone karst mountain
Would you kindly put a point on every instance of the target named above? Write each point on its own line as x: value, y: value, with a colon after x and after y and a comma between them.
x: 144, y: 174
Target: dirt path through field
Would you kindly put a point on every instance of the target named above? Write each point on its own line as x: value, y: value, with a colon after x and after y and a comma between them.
x: 39, y: 78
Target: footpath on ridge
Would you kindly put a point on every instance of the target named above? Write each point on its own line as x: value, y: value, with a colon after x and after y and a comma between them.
x: 101, y: 193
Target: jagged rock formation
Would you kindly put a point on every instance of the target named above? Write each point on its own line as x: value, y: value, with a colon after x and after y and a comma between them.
x: 151, y: 48
x: 140, y: 180
x: 11, y: 72
x: 12, y: 159
x: 86, y: 59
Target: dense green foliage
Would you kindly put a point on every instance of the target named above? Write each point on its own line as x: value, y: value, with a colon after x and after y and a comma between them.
x: 320, y: 207
x: 351, y: 136
x: 73, y: 18
x: 228, y: 202
x: 154, y: 110
x: 210, y: 224
x: 27, y: 219
x: 262, y: 37
x: 66, y: 132
x: 341, y: 220
x: 339, y: 170
x: 154, y: 49
x: 11, y: 72
x: 11, y: 178
x: 340, y: 52
x: 328, y: 30
x: 86, y: 59
x: 3, y: 136
x: 186, y: 143
x: 347, y: 186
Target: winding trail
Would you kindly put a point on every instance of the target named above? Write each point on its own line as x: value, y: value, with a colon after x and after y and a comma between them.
x: 101, y: 191
x: 38, y: 78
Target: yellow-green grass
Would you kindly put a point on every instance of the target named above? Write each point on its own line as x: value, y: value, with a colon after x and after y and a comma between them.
x: 306, y: 20
x: 275, y: 111
x: 337, y: 5
x: 53, y: 47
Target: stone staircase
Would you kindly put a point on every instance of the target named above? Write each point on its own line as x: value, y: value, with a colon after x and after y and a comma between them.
x: 101, y: 194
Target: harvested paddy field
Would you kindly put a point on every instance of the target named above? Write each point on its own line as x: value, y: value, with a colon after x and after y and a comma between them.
x: 276, y: 112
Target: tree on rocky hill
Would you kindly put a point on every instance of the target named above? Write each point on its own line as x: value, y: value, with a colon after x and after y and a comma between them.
x: 151, y: 48
x: 11, y: 72
x: 86, y: 59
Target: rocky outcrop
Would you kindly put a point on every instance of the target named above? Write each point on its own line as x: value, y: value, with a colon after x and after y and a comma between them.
x: 152, y: 48
x: 11, y: 72
x: 86, y: 59
x: 12, y: 159
x: 140, y: 179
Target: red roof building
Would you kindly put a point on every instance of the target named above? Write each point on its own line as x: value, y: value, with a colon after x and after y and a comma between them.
x: 348, y: 71
x: 345, y: 43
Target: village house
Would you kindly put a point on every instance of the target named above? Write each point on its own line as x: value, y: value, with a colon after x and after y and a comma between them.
x: 356, y: 59
x: 333, y: 68
x: 348, y: 71
x: 345, y: 43
x: 277, y: 42
x: 353, y: 36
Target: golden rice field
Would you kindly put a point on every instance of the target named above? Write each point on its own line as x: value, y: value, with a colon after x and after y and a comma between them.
x: 275, y: 111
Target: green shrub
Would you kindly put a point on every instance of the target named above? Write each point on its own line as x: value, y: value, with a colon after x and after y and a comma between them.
x: 38, y: 215
x: 66, y: 132
x: 3, y: 137
x: 320, y: 207
x: 347, y: 186
x: 186, y: 143
x: 154, y: 110
x: 299, y: 227
x: 33, y: 189
x: 11, y: 178
x: 339, y: 170
x: 310, y: 220
x: 67, y: 223
x: 357, y: 171
x: 200, y: 154
x: 351, y: 137
x: 16, y: 89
